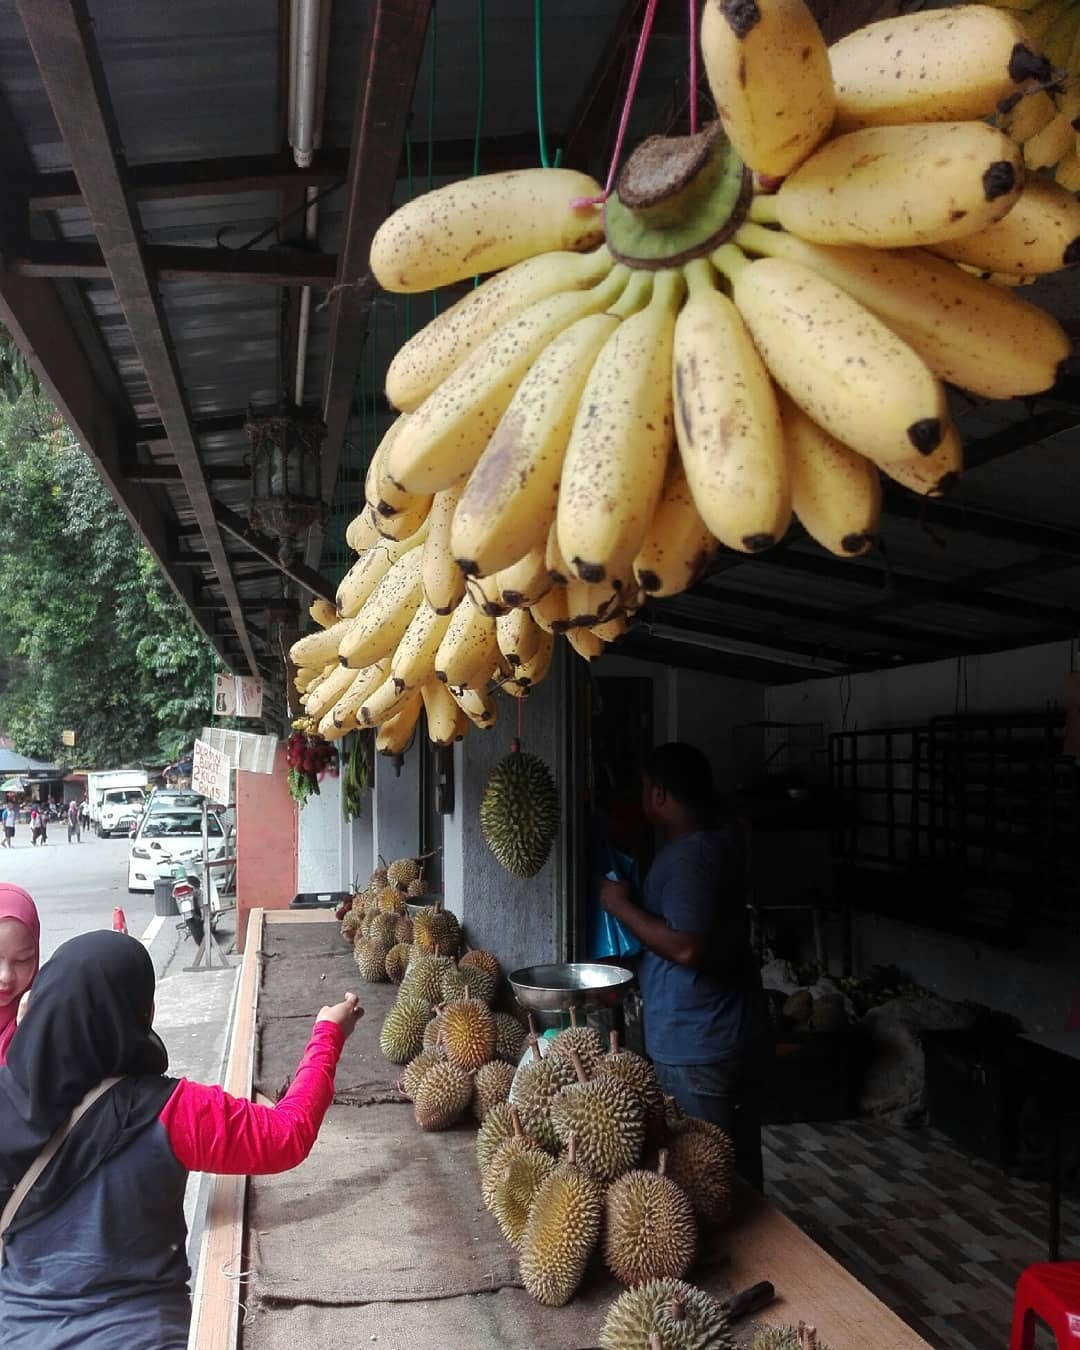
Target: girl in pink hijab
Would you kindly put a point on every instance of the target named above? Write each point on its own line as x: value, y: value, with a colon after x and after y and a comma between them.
x: 19, y: 934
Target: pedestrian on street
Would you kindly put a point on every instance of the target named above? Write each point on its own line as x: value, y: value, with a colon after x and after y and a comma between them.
x: 95, y: 1249
x: 19, y: 935
x: 35, y: 825
x: 73, y: 821
x: 9, y: 816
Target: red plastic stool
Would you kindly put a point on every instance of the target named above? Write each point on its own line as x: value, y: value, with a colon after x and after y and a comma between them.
x: 1049, y: 1291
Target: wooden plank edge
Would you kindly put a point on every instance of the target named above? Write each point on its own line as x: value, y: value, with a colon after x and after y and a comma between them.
x: 298, y: 916
x: 215, y: 1304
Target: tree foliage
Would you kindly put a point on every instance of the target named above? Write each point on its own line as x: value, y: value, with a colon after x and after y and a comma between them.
x: 91, y: 636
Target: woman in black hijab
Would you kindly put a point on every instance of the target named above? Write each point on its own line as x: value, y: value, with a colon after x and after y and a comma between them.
x: 95, y: 1255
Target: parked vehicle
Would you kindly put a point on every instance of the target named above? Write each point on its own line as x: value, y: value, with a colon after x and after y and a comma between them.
x: 170, y: 832
x: 112, y: 793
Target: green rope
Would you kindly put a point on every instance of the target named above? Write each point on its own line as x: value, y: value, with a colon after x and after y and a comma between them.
x: 431, y: 126
x: 538, y: 47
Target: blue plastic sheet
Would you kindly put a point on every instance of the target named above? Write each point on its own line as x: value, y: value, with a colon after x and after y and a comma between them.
x: 608, y: 936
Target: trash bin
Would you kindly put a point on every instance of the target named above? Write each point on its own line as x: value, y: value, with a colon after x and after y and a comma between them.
x: 163, y: 897
x: 318, y: 899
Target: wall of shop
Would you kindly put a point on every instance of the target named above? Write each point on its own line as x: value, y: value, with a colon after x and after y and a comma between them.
x: 332, y: 852
x: 267, y: 842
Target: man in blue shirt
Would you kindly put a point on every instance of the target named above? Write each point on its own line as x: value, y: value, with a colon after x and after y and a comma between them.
x: 705, y: 1020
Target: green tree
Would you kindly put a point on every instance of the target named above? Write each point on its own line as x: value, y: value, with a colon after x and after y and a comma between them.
x: 91, y: 636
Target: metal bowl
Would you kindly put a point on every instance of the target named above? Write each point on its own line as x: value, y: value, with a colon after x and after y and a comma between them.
x: 581, y: 984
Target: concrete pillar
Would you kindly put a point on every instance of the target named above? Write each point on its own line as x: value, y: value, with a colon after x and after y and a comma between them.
x: 396, y: 807
x: 521, y: 920
x: 266, y: 837
x: 319, y: 849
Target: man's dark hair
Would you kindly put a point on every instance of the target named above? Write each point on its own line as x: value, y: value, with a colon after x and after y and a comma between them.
x: 683, y: 772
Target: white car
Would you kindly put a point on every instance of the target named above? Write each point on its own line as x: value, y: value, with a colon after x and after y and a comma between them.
x: 171, y: 832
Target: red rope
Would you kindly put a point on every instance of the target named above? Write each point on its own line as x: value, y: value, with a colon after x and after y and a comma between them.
x: 631, y: 90
x: 519, y: 702
x: 693, y: 67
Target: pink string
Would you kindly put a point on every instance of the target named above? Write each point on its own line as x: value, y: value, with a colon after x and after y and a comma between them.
x: 631, y: 89
x: 693, y: 67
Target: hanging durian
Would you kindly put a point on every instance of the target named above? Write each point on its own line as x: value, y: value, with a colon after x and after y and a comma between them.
x: 519, y: 814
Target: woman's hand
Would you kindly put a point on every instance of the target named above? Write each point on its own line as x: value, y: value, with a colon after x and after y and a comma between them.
x: 345, y: 1014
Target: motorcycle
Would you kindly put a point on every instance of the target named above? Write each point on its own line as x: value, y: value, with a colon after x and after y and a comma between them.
x: 187, y: 896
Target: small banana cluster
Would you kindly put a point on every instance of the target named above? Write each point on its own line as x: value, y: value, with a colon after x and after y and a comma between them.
x: 1044, y: 121
x: 760, y: 321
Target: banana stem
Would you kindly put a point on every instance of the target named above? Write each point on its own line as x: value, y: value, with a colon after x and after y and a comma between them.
x: 729, y: 260
x: 765, y: 209
x: 635, y: 297
x: 700, y: 276
x: 757, y: 239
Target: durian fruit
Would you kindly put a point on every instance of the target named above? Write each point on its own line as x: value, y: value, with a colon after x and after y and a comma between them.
x: 444, y: 1095
x: 433, y: 1035
x: 381, y: 928
x: 485, y: 960
x: 678, y: 1315
x: 416, y: 888
x: 650, y: 1231
x: 491, y: 1085
x: 402, y: 1036
x: 397, y: 962
x: 605, y: 1117
x: 379, y: 879
x: 391, y: 901
x: 515, y: 1190
x: 701, y: 1159
x: 423, y: 979
x: 514, y: 1144
x: 370, y: 957
x: 519, y: 813
x: 639, y: 1075
x: 402, y: 871
x: 459, y: 980
x: 403, y: 929
x: 468, y: 1033
x: 350, y: 925
x: 437, y: 930
x: 414, y: 1072
x: 561, y: 1232
x: 509, y: 1037
x: 496, y: 1128
x: 583, y: 1041
x: 801, y: 1337
x: 359, y: 901
x: 536, y: 1085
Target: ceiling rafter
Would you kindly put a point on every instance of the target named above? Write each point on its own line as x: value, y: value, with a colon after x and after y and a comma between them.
x: 61, y: 37
x: 279, y: 266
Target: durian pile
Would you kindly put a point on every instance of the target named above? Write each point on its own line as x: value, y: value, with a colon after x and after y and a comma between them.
x: 376, y: 922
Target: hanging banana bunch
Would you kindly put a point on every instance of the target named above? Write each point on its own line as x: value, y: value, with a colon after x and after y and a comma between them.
x: 758, y: 321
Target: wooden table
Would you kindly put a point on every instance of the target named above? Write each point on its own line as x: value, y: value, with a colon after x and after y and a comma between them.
x: 811, y: 1285
x: 1056, y: 1061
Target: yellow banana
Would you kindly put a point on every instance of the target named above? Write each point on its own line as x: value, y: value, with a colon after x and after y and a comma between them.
x: 446, y: 722
x: 323, y: 612
x: 896, y: 187
x: 403, y: 525
x: 524, y: 582
x: 468, y: 650
x: 445, y: 436
x: 443, y: 582
x: 934, y: 475
x: 1056, y: 42
x: 483, y: 592
x: 559, y: 570
x: 728, y: 430
x: 969, y: 332
x: 361, y: 532
x: 316, y: 649
x: 531, y: 672
x: 370, y: 568
x: 941, y: 65
x: 612, y: 630
x: 484, y: 224
x: 384, y: 702
x: 385, y: 614
x: 550, y: 610
x: 678, y: 544
x: 329, y: 691
x: 1052, y: 143
x: 413, y: 661
x: 429, y: 356
x: 1034, y: 111
x: 378, y: 458
x: 1067, y: 173
x: 477, y: 705
x: 346, y: 711
x: 328, y: 728
x: 585, y: 642
x: 768, y: 70
x: 836, y: 492
x: 305, y: 678
x: 509, y: 501
x: 397, y: 731
x: 1040, y: 234
x: 518, y: 636
x: 838, y: 362
x: 619, y: 446
x: 395, y: 510
x: 1039, y: 18
x: 592, y: 602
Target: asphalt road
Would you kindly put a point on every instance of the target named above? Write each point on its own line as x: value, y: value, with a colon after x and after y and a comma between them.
x: 75, y: 886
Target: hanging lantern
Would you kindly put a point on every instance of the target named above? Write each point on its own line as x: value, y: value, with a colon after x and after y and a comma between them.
x: 286, y: 496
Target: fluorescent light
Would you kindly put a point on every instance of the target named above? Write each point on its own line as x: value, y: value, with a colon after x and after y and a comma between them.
x: 736, y: 647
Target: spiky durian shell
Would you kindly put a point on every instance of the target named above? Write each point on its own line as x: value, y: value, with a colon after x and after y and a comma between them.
x: 497, y: 1127
x: 561, y: 1232
x: 638, y: 1313
x: 468, y: 1033
x: 491, y: 1085
x: 606, y: 1119
x: 437, y: 930
x: 378, y: 879
x: 536, y: 1085
x: 509, y: 1037
x: 519, y: 813
x: 414, y: 1071
x: 381, y: 927
x: 402, y: 871
x: 582, y: 1041
x: 370, y: 957
x: 701, y: 1159
x: 460, y: 980
x: 350, y: 925
x: 397, y: 961
x: 650, y: 1231
x: 391, y: 901
x: 424, y: 977
x: 402, y: 1036
x: 485, y: 960
x: 515, y: 1189
x: 639, y: 1075
x: 442, y: 1097
x: 780, y: 1338
x: 403, y: 929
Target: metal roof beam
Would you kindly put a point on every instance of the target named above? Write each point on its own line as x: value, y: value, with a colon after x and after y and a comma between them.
x: 204, y: 426
x: 61, y: 36
x: 304, y: 576
x: 953, y: 513
x: 180, y: 262
x: 397, y: 30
